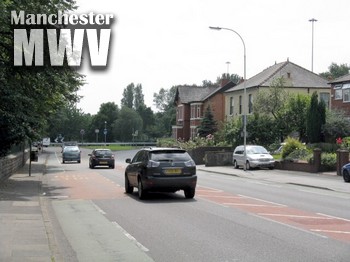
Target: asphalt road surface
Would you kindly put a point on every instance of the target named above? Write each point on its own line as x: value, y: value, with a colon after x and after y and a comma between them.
x: 230, y: 218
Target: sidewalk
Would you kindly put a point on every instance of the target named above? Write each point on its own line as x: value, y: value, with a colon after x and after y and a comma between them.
x: 23, y: 235
x: 327, y: 181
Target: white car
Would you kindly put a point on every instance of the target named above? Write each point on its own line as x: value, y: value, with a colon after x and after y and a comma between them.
x: 257, y: 156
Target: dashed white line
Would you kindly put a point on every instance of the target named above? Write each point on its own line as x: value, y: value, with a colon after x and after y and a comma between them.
x: 138, y: 244
x: 330, y: 231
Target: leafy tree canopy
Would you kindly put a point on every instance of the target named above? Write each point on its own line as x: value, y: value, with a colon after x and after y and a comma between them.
x: 335, y: 71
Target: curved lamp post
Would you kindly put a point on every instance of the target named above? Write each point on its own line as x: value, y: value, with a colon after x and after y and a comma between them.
x: 244, y: 94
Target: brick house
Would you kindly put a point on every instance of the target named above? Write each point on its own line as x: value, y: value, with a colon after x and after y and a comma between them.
x: 297, y: 80
x: 192, y: 101
x: 340, y: 94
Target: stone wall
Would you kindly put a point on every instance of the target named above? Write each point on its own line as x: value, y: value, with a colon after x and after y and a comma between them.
x: 198, y: 154
x: 11, y: 163
x: 215, y: 158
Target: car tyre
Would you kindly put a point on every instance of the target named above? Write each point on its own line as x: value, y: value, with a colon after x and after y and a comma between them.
x: 189, y: 193
x: 141, y: 191
x: 247, y: 166
x: 346, y: 176
x: 112, y: 167
x: 128, y: 189
x: 235, y: 164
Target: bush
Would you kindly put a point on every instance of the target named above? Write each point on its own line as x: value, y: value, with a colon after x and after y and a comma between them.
x: 291, y: 145
x: 329, y: 161
x: 299, y: 154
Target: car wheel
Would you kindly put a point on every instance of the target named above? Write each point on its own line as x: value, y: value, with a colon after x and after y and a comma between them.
x: 128, y: 189
x: 112, y: 167
x: 79, y: 161
x: 141, y: 192
x: 189, y: 193
x: 235, y: 164
x: 63, y: 161
x: 271, y: 167
x: 346, y: 176
x: 247, y: 165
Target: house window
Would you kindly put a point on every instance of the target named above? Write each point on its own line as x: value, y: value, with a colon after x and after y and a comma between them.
x: 338, y: 92
x: 198, y: 111
x: 193, y: 132
x: 325, y: 98
x: 231, y: 105
x: 346, y: 92
x: 250, y: 103
x: 240, y: 105
x: 195, y: 111
x: 180, y: 112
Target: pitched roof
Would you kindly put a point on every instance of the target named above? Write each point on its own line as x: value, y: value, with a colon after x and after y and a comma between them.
x: 341, y: 79
x: 295, y: 75
x: 188, y: 94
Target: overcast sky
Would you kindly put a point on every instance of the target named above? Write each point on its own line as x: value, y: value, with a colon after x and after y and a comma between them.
x: 160, y: 43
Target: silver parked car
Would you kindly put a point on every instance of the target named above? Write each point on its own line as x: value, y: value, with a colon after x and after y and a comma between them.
x: 257, y: 156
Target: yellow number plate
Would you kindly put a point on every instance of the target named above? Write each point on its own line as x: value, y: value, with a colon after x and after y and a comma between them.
x: 174, y: 171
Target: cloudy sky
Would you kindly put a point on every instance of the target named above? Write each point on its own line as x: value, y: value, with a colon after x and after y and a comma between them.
x: 161, y: 43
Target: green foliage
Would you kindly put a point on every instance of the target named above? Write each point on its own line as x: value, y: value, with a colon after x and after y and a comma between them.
x: 208, y: 124
x: 260, y: 131
x: 291, y: 144
x: 337, y: 125
x: 316, y: 118
x: 29, y: 95
x: 335, y: 71
x: 329, y: 161
x: 299, y: 154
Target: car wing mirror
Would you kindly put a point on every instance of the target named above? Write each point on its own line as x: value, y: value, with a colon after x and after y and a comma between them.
x: 128, y: 160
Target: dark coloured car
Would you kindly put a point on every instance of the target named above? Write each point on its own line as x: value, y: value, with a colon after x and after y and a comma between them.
x: 346, y: 172
x: 101, y: 157
x: 161, y: 170
x: 71, y: 153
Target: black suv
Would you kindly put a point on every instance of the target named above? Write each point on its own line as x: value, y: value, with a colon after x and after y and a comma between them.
x: 162, y: 170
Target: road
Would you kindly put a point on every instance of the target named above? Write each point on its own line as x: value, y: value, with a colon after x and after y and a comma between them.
x: 230, y: 219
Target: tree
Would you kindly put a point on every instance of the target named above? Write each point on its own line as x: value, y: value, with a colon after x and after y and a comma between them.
x: 128, y: 96
x: 296, y: 113
x: 208, y: 125
x: 105, y: 117
x: 273, y: 102
x: 335, y: 71
x: 260, y: 131
x: 127, y: 124
x: 337, y: 125
x: 139, y: 100
x: 315, y: 119
x: 29, y: 95
x: 166, y: 117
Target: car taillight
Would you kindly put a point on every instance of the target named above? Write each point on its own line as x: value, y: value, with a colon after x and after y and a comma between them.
x: 190, y: 163
x: 152, y: 163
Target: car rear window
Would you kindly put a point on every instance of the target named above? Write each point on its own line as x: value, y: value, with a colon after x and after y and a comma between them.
x: 170, y: 155
x: 104, y: 153
x: 71, y: 149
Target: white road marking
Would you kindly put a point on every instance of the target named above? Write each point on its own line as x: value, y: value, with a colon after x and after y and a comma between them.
x: 138, y: 244
x: 294, y: 216
x: 330, y: 231
x: 265, y: 201
x: 334, y: 217
x: 249, y: 205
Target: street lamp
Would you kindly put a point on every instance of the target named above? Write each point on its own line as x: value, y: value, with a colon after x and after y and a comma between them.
x: 105, y: 132
x: 244, y: 94
x: 312, y: 20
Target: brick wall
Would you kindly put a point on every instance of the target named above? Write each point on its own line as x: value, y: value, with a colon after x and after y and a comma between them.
x: 11, y: 163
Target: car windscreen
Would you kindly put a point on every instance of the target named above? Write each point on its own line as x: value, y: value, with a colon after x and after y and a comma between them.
x: 170, y: 155
x: 257, y: 150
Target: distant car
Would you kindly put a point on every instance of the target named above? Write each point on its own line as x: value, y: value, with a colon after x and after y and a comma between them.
x: 257, y: 156
x: 101, y: 157
x: 161, y: 170
x: 346, y: 172
x: 71, y: 153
